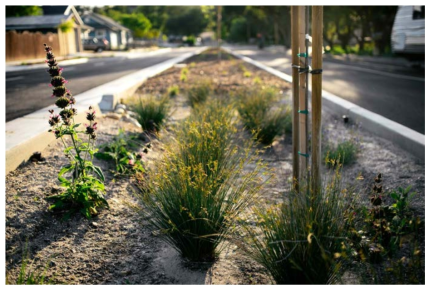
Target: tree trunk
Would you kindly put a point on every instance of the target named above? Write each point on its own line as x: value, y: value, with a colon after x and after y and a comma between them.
x: 276, y: 30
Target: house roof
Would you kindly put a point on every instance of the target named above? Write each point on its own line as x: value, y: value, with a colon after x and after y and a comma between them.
x: 35, y: 22
x: 104, y: 22
x: 38, y: 22
x: 62, y: 10
x: 53, y: 16
x: 56, y: 10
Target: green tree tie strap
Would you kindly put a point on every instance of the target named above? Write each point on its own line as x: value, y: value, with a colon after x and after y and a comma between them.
x: 302, y: 55
x: 303, y: 112
x: 303, y: 154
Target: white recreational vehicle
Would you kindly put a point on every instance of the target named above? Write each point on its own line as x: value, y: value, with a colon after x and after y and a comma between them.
x: 408, y: 32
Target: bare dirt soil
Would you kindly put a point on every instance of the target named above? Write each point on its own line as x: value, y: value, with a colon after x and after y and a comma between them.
x: 116, y: 247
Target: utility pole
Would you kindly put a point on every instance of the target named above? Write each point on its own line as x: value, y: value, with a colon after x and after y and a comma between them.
x: 317, y: 44
x: 295, y: 98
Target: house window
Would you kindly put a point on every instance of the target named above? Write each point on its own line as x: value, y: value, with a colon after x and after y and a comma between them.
x: 418, y: 12
x: 100, y: 33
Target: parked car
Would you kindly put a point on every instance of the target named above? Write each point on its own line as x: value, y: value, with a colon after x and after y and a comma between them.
x: 96, y: 44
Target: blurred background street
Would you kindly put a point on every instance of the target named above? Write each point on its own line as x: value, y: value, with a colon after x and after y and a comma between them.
x: 373, y: 85
x: 374, y: 56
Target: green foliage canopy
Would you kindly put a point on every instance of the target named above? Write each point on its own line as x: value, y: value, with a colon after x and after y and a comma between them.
x: 18, y: 11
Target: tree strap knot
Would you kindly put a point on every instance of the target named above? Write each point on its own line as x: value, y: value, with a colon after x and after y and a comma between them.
x: 316, y: 71
x: 304, y: 70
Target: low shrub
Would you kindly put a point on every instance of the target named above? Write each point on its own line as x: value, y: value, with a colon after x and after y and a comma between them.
x: 344, y: 152
x: 301, y: 241
x: 184, y: 74
x: 247, y: 74
x: 385, y: 225
x: 173, y: 91
x: 259, y: 113
x: 152, y: 112
x: 199, y: 188
x: 121, y: 151
x: 257, y: 81
x: 84, y: 182
x: 199, y: 92
x: 389, y: 232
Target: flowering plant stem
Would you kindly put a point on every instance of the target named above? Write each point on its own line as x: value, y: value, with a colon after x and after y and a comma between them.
x: 85, y: 183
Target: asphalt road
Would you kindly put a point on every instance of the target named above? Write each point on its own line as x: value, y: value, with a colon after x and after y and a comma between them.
x: 395, y: 92
x: 29, y: 91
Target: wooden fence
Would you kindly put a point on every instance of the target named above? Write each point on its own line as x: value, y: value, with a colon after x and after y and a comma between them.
x: 27, y: 45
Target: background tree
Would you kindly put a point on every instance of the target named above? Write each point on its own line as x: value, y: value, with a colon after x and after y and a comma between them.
x: 18, y: 11
x: 158, y: 16
x: 343, y: 25
x: 185, y: 20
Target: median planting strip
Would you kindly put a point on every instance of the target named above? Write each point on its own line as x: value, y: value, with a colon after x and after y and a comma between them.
x: 206, y: 110
x: 28, y: 134
x: 408, y: 139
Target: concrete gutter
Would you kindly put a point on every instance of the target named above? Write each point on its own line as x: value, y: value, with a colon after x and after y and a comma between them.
x: 28, y: 134
x: 408, y: 139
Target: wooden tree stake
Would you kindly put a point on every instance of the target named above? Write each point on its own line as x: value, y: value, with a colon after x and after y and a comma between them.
x: 302, y: 93
x: 295, y: 98
x: 317, y: 47
x: 219, y: 29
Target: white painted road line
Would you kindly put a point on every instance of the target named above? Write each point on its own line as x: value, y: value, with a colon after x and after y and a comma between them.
x: 15, y: 78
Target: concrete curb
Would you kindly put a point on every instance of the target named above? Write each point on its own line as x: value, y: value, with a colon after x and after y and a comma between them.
x: 28, y: 134
x: 85, y: 59
x: 134, y: 55
x: 408, y: 139
x: 40, y: 66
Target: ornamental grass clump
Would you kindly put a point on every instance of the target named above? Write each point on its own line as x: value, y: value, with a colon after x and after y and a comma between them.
x: 152, y: 112
x: 84, y: 182
x: 173, y: 91
x: 259, y: 111
x: 345, y: 152
x: 197, y: 191
x: 303, y: 240
x: 199, y: 92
